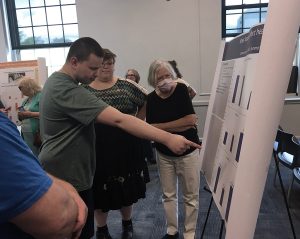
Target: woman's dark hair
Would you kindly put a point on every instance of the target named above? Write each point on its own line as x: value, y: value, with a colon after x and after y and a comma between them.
x: 83, y: 47
x: 173, y: 63
x: 108, y: 54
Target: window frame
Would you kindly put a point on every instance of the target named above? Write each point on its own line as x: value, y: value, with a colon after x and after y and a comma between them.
x: 235, y: 7
x: 14, y: 28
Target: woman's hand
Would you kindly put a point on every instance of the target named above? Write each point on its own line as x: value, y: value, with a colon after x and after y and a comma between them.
x: 24, y: 115
x: 179, y: 125
x: 27, y: 114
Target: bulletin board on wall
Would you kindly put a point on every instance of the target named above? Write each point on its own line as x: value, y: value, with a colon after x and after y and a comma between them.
x: 10, y: 75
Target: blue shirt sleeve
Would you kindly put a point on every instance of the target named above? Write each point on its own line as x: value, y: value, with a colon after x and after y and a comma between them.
x: 22, y: 180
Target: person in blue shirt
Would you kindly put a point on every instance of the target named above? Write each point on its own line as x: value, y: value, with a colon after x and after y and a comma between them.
x: 33, y: 204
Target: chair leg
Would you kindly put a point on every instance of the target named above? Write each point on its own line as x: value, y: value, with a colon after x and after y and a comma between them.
x: 286, y: 201
x: 289, y: 191
x: 276, y: 170
x: 274, y: 180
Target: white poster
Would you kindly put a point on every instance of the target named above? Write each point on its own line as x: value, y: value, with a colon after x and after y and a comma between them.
x: 10, y: 74
x: 243, y: 115
x: 232, y: 100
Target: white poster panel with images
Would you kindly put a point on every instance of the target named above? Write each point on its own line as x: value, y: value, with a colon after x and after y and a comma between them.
x: 10, y: 74
x: 243, y: 115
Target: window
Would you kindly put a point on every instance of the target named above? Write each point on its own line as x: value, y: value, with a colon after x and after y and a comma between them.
x: 239, y: 15
x: 42, y: 23
x: 55, y: 57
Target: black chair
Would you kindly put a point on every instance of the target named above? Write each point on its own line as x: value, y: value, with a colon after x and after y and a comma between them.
x: 286, y: 150
x: 289, y: 156
x: 279, y: 146
x: 297, y: 174
x: 296, y: 177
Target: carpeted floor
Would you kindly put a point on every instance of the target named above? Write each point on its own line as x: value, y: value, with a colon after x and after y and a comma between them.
x: 149, y: 222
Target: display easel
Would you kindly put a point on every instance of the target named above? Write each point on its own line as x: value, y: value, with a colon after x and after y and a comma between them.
x: 222, y: 220
x: 207, y: 215
x: 238, y: 129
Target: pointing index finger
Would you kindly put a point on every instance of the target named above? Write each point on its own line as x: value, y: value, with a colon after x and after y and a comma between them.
x: 192, y: 144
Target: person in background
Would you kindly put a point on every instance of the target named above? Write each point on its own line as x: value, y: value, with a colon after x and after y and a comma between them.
x: 121, y: 170
x: 29, y: 113
x: 191, y: 90
x: 68, y: 112
x: 133, y: 75
x: 33, y: 204
x: 169, y: 107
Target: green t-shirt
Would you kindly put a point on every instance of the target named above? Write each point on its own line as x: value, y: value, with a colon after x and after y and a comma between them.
x: 31, y: 124
x: 67, y: 114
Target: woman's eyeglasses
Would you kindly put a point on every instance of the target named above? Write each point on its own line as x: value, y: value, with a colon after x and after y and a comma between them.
x: 130, y: 75
x: 107, y: 63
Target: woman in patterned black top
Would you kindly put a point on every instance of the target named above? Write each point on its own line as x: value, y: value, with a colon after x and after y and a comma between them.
x: 169, y: 107
x: 120, y: 169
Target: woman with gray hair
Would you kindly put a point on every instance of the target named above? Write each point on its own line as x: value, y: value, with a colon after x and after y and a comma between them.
x: 169, y: 107
x: 133, y: 75
x: 29, y: 113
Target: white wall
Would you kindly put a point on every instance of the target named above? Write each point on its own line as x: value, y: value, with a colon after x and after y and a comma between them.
x: 210, y: 36
x: 290, y: 117
x: 139, y: 31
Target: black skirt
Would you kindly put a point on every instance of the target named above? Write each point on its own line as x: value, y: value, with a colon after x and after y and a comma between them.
x: 121, y: 170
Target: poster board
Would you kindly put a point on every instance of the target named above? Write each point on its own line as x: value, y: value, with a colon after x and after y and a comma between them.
x: 10, y: 74
x: 244, y: 111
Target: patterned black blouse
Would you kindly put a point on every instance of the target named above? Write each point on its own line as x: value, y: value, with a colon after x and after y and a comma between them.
x: 124, y: 95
